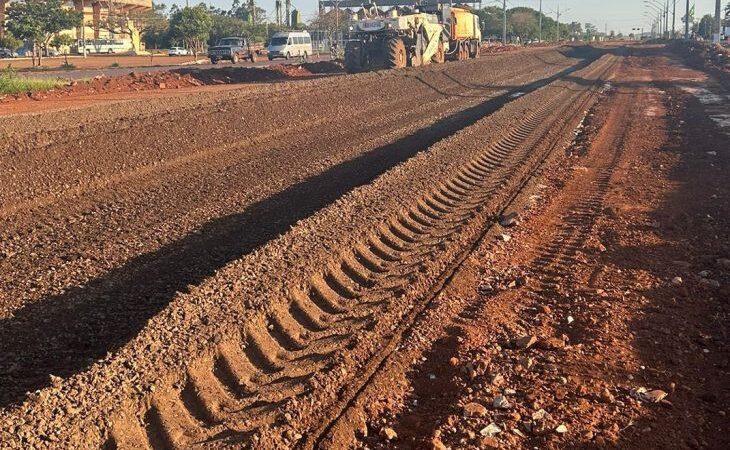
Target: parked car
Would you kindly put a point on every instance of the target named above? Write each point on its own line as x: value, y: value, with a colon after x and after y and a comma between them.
x: 6, y: 53
x: 288, y: 44
x: 178, y: 51
x: 234, y: 49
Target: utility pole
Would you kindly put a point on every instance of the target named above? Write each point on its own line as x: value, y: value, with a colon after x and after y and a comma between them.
x: 666, y: 18
x: 557, y: 36
x: 718, y: 23
x: 504, y: 22
x: 288, y: 13
x: 539, y: 38
x: 83, y: 29
x: 674, y: 16
x: 686, y: 23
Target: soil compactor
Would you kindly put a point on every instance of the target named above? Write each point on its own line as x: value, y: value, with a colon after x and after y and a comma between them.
x: 394, y: 42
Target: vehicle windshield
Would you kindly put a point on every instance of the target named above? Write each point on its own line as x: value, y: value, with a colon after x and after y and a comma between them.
x: 278, y: 41
x: 228, y: 42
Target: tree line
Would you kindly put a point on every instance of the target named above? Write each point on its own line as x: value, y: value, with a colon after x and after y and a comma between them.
x: 38, y: 24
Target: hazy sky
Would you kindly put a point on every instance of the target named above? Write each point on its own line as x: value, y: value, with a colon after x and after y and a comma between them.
x: 618, y: 15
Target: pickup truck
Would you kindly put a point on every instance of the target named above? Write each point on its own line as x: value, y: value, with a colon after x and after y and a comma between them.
x: 234, y: 49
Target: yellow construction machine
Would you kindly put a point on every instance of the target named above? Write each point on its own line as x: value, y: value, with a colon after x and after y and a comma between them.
x: 394, y: 41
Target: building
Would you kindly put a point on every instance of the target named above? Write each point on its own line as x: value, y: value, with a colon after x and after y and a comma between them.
x: 95, y: 13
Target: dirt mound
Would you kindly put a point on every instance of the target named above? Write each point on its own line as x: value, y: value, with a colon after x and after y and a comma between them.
x: 134, y: 81
x: 335, y: 66
x: 701, y: 55
x: 182, y: 78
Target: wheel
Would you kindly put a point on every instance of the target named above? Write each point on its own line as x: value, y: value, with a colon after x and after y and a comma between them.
x: 440, y: 55
x: 287, y: 56
x: 396, y: 56
x: 306, y: 57
x: 110, y: 51
x: 234, y: 59
x: 213, y: 61
x: 352, y: 57
x: 271, y: 58
x: 477, y: 49
x: 253, y: 57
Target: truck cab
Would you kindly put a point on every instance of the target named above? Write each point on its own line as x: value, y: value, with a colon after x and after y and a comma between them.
x: 233, y: 49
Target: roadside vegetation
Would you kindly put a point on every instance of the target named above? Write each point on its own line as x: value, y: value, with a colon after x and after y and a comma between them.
x: 10, y: 83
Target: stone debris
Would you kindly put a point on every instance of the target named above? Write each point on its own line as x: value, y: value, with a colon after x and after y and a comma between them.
x: 490, y: 430
x: 561, y: 429
x: 540, y: 415
x: 648, y: 396
x: 474, y: 409
x: 501, y: 402
x: 525, y: 342
x: 607, y: 396
x: 509, y: 220
x: 388, y: 434
x: 504, y: 237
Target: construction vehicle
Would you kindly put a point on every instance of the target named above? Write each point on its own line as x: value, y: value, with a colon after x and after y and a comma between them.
x: 461, y: 26
x: 393, y: 42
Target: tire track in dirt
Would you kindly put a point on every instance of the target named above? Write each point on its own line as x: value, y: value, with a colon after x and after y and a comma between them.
x: 96, y: 218
x: 278, y: 360
x: 343, y: 429
x: 225, y: 393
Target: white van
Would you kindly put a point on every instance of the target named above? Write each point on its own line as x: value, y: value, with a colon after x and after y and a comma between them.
x: 288, y: 44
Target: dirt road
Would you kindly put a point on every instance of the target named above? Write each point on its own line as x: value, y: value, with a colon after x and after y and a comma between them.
x: 256, y: 267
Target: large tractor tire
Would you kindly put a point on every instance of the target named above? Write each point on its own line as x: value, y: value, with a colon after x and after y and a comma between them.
x: 440, y: 56
x: 475, y: 49
x: 353, y: 62
x: 396, y: 56
x: 463, y: 52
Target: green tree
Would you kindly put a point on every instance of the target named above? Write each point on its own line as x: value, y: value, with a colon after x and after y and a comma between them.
x: 63, y: 41
x: 191, y: 26
x: 10, y: 42
x: 590, y: 32
x: 706, y: 26
x: 37, y: 21
x: 224, y: 26
x: 490, y: 18
x: 155, y: 27
x: 524, y: 23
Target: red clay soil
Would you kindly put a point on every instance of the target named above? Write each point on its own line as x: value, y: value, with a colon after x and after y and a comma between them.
x: 603, y: 322
x: 180, y: 78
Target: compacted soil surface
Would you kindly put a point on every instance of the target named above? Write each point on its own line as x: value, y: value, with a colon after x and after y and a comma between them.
x: 528, y: 250
x: 603, y: 321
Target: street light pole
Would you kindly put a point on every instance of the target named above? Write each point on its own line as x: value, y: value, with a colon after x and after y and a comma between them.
x: 718, y: 23
x: 539, y: 38
x: 504, y: 22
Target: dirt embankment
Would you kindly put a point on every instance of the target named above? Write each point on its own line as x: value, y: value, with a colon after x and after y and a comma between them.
x: 713, y: 58
x: 181, y: 78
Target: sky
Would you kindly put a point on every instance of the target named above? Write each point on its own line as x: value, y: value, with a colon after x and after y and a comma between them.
x: 617, y: 15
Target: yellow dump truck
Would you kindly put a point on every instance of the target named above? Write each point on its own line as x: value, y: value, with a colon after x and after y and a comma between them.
x: 462, y: 28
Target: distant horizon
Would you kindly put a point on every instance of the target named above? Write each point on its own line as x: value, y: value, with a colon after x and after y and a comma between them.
x: 619, y: 15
